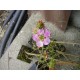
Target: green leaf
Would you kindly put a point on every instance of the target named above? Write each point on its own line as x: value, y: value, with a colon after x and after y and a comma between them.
x: 51, y: 64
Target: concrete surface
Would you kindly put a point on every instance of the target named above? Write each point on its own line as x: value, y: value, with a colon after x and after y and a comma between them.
x: 9, y: 59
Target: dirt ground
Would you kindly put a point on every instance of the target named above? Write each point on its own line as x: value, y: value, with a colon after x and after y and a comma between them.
x: 3, y: 15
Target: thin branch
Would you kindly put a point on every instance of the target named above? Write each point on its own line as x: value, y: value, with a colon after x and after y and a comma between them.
x: 62, y: 54
x: 66, y: 62
x: 67, y: 54
x: 32, y: 54
x: 57, y: 61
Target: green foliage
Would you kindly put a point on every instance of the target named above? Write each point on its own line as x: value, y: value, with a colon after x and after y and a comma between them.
x: 40, y: 25
x: 79, y: 66
x: 46, y: 55
x: 50, y: 48
x: 51, y: 63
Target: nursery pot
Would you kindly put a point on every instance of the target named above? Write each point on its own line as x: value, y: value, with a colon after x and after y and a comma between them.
x: 39, y: 67
x: 58, y: 17
x: 52, y: 69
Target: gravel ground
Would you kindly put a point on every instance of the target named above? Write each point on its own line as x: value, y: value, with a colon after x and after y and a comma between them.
x: 3, y: 15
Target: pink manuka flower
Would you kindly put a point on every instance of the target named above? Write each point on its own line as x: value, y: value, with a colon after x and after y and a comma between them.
x: 42, y: 37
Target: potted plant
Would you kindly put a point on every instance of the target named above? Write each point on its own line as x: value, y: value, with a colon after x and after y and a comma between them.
x: 47, y: 51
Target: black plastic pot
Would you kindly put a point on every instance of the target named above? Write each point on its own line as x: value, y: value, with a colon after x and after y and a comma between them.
x: 36, y: 66
x: 9, y: 17
x: 8, y: 32
x: 16, y: 27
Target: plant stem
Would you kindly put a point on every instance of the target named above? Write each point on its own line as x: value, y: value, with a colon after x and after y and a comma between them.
x: 32, y: 54
x: 62, y: 54
x: 57, y: 61
x: 66, y: 62
x: 67, y: 54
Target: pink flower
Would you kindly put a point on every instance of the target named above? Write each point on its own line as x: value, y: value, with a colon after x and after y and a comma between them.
x: 35, y: 37
x: 42, y: 37
x: 47, y: 33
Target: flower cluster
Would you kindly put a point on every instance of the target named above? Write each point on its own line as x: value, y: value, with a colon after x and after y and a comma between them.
x: 41, y: 35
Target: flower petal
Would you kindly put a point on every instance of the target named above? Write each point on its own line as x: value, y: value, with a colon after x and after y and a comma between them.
x: 40, y: 31
x: 47, y: 33
x: 39, y: 44
x: 35, y: 37
x: 46, y: 41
